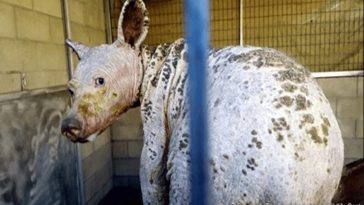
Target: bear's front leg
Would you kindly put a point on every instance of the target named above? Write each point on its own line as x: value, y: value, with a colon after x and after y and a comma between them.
x: 153, y: 171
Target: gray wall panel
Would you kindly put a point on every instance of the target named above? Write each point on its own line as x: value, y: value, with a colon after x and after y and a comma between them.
x: 37, y: 164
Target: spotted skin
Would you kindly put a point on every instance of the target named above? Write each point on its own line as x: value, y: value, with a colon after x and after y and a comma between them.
x: 272, y: 133
x: 262, y: 149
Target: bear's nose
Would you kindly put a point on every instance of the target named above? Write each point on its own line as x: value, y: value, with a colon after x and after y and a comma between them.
x: 71, y: 128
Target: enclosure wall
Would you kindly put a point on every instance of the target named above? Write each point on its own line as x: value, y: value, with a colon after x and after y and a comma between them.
x: 31, y: 42
x: 323, y: 35
x: 346, y: 98
x: 127, y: 142
x: 166, y: 22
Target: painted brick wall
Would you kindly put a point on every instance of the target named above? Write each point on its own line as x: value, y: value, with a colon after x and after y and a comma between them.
x: 31, y: 41
x: 346, y: 98
x: 127, y: 142
x: 97, y: 168
x: 344, y: 94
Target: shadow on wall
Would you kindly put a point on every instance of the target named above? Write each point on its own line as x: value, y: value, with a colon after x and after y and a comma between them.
x: 37, y: 164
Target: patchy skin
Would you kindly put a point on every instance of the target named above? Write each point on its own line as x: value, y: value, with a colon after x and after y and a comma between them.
x: 325, y: 129
x: 279, y: 137
x: 314, y: 135
x: 272, y: 138
x: 257, y: 143
x: 288, y: 87
x: 91, y: 103
x: 326, y: 121
x: 286, y: 100
x: 306, y: 119
x: 301, y: 103
x: 304, y: 90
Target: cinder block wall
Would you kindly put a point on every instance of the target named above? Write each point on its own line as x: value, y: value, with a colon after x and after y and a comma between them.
x: 127, y: 142
x: 97, y: 168
x: 345, y: 95
x: 32, y: 43
x: 346, y: 98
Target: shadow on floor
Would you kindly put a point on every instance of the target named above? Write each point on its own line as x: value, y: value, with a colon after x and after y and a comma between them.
x: 123, y: 196
x: 351, y: 188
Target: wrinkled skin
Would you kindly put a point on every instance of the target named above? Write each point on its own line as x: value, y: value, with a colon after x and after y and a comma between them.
x: 273, y: 138
x: 97, y: 105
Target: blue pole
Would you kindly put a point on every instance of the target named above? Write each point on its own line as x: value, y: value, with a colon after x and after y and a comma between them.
x: 197, y: 34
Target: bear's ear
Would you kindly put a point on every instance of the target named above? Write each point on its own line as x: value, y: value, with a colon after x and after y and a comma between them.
x: 133, y: 23
x: 80, y: 49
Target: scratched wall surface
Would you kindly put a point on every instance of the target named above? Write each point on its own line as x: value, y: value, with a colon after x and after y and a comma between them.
x: 37, y: 164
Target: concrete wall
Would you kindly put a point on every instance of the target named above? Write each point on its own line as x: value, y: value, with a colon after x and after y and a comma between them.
x: 346, y: 98
x: 344, y: 94
x: 32, y: 43
x: 97, y: 168
x: 32, y: 39
x: 127, y: 142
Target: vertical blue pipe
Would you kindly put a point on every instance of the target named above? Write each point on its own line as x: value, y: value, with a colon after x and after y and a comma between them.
x: 197, y: 34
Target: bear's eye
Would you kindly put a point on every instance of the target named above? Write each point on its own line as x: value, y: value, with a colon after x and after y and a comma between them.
x: 99, y: 81
x: 71, y: 92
